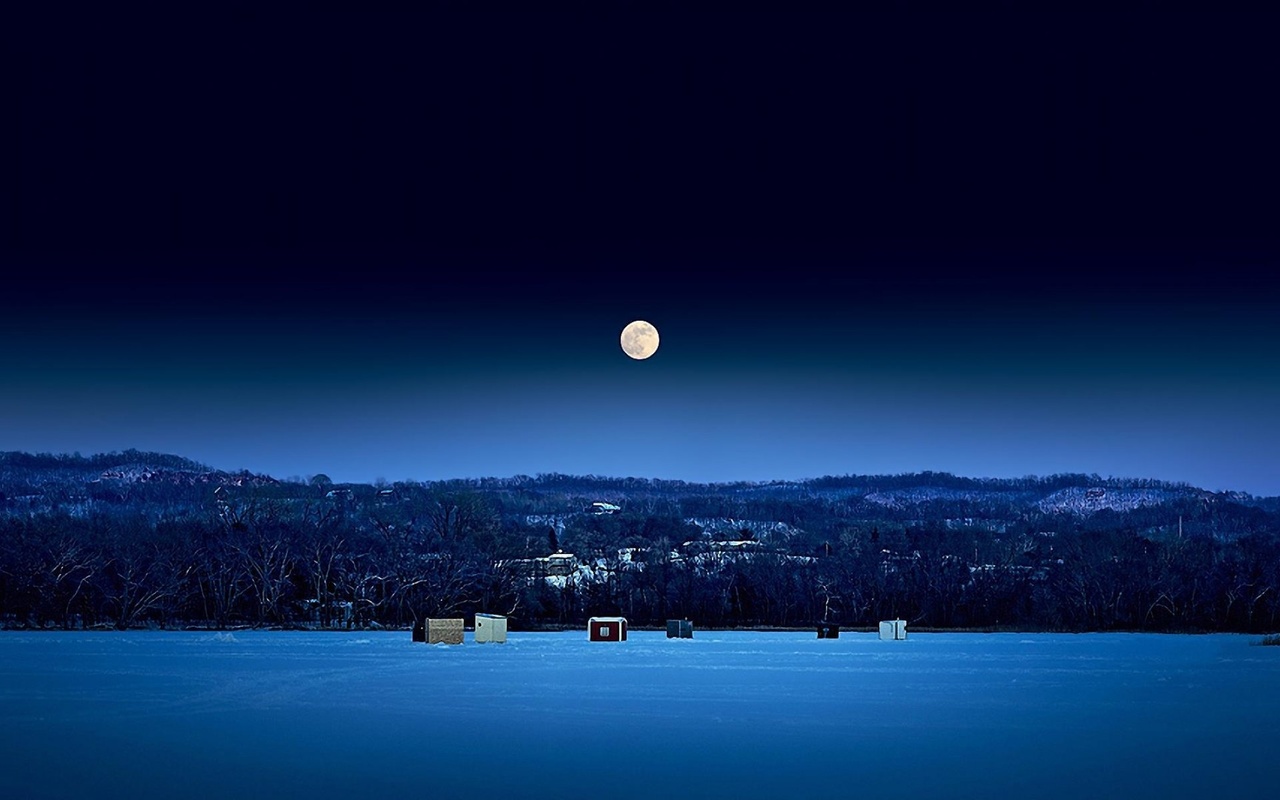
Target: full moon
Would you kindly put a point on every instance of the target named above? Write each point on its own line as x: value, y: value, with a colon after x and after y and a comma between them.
x: 639, y: 339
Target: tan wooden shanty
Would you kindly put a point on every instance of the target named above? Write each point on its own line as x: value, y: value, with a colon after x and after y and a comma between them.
x: 444, y: 631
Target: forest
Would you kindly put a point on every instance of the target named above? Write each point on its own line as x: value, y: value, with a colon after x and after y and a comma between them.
x: 129, y: 540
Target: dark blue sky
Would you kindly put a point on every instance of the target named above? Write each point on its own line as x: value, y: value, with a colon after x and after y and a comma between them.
x: 402, y: 244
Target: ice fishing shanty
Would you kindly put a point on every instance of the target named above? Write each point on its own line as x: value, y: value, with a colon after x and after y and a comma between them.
x: 607, y: 629
x: 828, y: 630
x: 444, y: 631
x: 679, y: 629
x: 491, y: 628
x: 893, y: 629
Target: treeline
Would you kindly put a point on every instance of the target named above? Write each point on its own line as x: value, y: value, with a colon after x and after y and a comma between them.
x: 630, y: 486
x: 130, y: 539
x: 256, y: 559
x: 17, y: 461
x: 336, y: 558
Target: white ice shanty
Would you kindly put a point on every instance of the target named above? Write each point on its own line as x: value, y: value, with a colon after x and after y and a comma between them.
x: 893, y: 629
x: 491, y: 628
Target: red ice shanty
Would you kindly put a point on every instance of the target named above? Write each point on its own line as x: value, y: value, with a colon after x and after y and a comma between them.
x: 607, y: 629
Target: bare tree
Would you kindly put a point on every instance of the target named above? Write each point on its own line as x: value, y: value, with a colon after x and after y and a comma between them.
x: 262, y: 537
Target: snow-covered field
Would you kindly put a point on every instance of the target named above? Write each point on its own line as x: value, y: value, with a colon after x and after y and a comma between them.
x: 550, y: 715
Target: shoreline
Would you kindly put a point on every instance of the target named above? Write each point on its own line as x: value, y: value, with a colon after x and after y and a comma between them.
x: 855, y: 629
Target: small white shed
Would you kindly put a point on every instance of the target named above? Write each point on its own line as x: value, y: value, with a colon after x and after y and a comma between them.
x: 893, y: 629
x: 491, y: 628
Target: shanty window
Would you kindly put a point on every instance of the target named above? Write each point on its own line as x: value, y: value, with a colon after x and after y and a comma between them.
x: 604, y: 630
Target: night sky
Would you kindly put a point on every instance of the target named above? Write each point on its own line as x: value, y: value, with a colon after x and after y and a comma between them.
x: 402, y: 244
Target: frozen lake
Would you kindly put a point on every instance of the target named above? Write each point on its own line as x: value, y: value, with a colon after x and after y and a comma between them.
x: 546, y: 715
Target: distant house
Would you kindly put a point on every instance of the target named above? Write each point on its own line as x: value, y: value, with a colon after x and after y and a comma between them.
x: 607, y: 629
x: 560, y: 564
x: 556, y: 565
x: 334, y: 613
x: 603, y: 508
